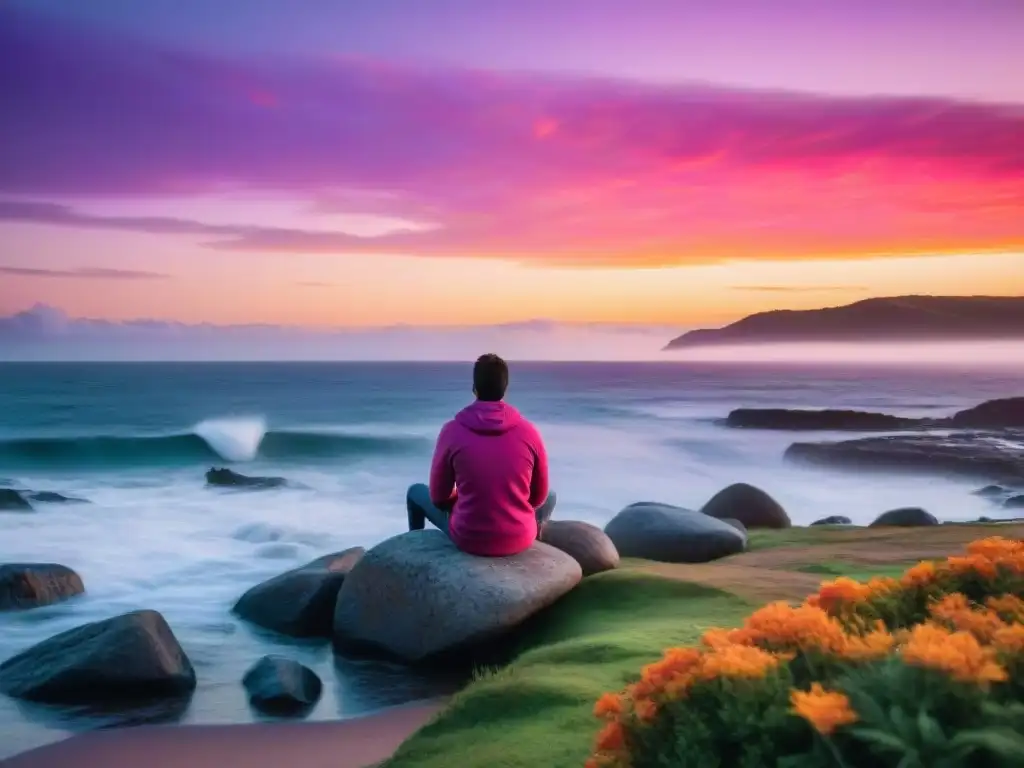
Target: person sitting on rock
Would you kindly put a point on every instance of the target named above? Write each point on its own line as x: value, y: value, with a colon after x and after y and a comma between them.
x: 489, y: 475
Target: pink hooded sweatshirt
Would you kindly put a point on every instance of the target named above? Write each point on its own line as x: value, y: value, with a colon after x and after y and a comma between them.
x: 496, y: 460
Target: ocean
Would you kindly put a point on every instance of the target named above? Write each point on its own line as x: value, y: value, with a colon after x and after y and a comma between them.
x: 136, y: 439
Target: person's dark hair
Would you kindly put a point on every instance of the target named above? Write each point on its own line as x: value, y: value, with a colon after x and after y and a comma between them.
x: 490, y: 378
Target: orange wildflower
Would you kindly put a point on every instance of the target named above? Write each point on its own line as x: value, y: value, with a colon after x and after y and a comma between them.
x: 955, y: 610
x: 882, y: 585
x: 1010, y: 639
x: 919, y: 575
x: 977, y: 563
x: 737, y: 661
x: 824, y: 710
x: 781, y: 626
x: 611, y: 738
x: 959, y: 654
x: 1009, y: 607
x: 873, y: 645
x: 996, y: 548
x: 834, y: 595
x: 646, y: 710
x: 609, y: 705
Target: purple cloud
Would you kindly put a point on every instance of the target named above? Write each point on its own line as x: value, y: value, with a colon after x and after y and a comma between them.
x: 529, y: 167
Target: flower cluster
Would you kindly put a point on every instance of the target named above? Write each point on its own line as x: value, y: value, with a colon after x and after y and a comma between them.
x: 820, y: 675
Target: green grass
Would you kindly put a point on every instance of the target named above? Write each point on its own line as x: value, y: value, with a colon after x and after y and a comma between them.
x: 537, y: 712
x: 859, y: 571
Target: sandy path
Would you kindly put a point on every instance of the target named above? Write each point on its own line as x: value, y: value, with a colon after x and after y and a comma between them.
x: 354, y: 743
x: 763, y: 575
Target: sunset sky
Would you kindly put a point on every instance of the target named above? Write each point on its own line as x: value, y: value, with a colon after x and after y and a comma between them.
x: 424, y: 162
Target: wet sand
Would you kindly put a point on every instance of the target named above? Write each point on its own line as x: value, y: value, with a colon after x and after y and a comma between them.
x: 355, y: 743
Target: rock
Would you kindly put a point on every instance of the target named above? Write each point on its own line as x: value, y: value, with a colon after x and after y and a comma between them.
x: 281, y: 686
x: 992, y: 492
x: 12, y: 501
x: 32, y: 585
x: 587, y: 544
x: 672, y: 534
x: 751, y: 506
x: 906, y: 517
x: 735, y: 524
x: 51, y: 497
x: 131, y: 656
x: 834, y: 520
x: 227, y: 478
x: 992, y: 414
x: 1014, y: 502
x: 300, y: 602
x: 991, y: 456
x: 417, y: 598
x: 825, y: 420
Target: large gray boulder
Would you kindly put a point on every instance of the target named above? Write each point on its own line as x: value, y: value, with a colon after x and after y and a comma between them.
x: 748, y: 504
x: 416, y: 596
x: 128, y: 656
x: 587, y: 544
x: 671, y: 534
x: 31, y: 585
x: 300, y: 602
x: 280, y: 686
x: 905, y: 517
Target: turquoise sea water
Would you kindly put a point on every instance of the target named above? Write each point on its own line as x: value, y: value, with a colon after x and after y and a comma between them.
x: 135, y: 440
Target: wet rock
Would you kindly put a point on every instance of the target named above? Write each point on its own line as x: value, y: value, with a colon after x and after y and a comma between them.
x: 992, y: 492
x: 135, y: 655
x: 672, y: 534
x: 905, y: 517
x: 587, y: 544
x: 416, y: 597
x: 751, y: 506
x: 735, y: 524
x: 51, y: 497
x: 792, y: 419
x: 32, y: 585
x: 300, y: 602
x: 834, y: 520
x: 992, y: 456
x: 993, y: 414
x: 280, y: 686
x: 13, y: 501
x: 227, y: 478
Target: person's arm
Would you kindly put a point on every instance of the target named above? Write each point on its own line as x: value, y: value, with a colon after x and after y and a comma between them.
x: 442, y: 473
x: 539, y: 480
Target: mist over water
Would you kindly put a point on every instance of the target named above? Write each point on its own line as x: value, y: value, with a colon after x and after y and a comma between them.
x: 136, y: 439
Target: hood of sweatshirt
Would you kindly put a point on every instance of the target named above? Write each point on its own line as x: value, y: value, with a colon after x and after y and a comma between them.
x: 487, y: 418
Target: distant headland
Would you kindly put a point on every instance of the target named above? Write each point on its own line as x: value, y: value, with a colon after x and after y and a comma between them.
x: 894, y: 319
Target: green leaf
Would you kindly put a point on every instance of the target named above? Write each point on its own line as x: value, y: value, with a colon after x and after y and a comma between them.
x: 1004, y: 742
x: 881, y: 739
x: 932, y: 734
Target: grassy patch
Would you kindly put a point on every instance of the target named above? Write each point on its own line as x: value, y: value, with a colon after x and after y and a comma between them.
x: 538, y: 711
x: 859, y: 571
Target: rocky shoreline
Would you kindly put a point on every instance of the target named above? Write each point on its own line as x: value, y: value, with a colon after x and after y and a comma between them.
x: 414, y: 598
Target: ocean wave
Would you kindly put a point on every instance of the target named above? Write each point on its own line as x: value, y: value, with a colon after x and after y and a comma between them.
x: 230, y: 440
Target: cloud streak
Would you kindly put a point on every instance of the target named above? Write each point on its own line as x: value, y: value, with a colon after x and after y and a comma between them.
x: 86, y: 273
x: 562, y: 171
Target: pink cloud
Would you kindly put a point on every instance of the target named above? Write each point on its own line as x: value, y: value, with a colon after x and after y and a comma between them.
x: 533, y: 168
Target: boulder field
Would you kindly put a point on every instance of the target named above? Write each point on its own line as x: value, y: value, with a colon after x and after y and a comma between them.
x: 414, y: 598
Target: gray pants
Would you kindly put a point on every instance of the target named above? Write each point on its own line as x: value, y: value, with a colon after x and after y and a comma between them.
x: 421, y: 509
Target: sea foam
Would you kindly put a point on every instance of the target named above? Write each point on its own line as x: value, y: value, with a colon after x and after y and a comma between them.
x: 233, y: 439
